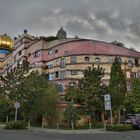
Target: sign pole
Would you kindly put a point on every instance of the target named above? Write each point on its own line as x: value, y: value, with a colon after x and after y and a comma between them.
x: 16, y: 115
x: 107, y: 102
x: 16, y: 105
x: 111, y: 116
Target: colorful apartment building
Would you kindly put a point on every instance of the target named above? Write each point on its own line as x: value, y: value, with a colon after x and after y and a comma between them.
x: 63, y: 60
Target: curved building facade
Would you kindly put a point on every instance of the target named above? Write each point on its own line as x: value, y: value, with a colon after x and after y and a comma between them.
x: 64, y: 60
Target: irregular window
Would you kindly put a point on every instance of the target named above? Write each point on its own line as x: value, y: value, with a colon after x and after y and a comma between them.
x: 50, y: 51
x: 87, y: 58
x: 97, y: 60
x: 37, y: 54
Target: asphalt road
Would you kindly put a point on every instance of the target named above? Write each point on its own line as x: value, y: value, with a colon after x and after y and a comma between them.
x: 25, y: 135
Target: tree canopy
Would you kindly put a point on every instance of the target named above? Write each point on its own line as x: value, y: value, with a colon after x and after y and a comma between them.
x: 132, y: 101
x: 91, y: 90
x: 35, y: 94
x: 117, y: 85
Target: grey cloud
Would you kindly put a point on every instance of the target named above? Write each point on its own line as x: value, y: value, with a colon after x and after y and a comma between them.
x: 106, y: 20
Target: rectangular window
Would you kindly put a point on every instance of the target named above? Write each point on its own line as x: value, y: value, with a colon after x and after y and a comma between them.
x: 37, y: 54
x: 128, y: 74
x: 62, y: 63
x: 87, y: 58
x: 57, y: 62
x: 74, y: 72
x: 66, y: 52
x: 62, y: 74
x: 19, y: 53
x: 56, y: 74
x: 136, y: 62
x: 111, y: 59
x: 136, y: 75
x: 128, y: 87
x: 51, y: 76
x: 15, y: 58
x: 73, y: 59
x: 36, y: 65
x: 49, y: 65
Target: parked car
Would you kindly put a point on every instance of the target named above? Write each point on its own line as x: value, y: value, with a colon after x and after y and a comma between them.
x: 136, y: 121
x: 128, y: 119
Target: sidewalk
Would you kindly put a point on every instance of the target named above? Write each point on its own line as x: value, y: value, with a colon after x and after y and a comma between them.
x: 85, y: 131
x: 60, y: 131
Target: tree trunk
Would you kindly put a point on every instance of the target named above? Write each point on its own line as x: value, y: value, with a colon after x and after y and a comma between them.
x: 118, y: 116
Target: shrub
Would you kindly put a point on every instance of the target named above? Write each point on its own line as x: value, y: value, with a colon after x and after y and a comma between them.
x: 16, y: 125
x: 120, y: 127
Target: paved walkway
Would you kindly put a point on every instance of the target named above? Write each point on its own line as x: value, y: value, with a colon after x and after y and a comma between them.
x: 46, y: 130
x: 35, y: 129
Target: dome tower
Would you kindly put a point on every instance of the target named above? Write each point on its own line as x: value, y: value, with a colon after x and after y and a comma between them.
x: 6, y: 44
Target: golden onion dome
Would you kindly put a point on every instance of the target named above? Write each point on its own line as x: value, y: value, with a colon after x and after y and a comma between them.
x: 6, y: 42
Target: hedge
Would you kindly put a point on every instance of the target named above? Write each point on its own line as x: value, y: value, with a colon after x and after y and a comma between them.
x: 120, y: 127
x: 16, y: 125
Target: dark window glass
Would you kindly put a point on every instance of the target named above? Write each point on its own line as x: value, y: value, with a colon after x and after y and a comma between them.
x: 73, y: 72
x: 136, y: 62
x: 62, y: 63
x: 130, y: 63
x: 120, y: 60
x: 29, y: 54
x: 87, y: 59
x: 136, y: 74
x: 37, y: 54
x: 20, y: 52
x: 50, y: 51
x: 73, y: 59
x: 97, y: 60
x: 66, y: 52
x: 62, y: 74
x: 56, y: 51
x: 56, y: 74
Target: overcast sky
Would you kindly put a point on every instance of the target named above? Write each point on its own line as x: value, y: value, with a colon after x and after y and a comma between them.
x: 105, y: 20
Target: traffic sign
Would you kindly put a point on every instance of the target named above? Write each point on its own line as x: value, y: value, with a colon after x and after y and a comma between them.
x: 107, y: 97
x: 16, y: 105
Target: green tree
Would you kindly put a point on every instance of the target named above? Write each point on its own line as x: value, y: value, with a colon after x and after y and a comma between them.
x: 30, y: 92
x: 117, y: 87
x: 71, y: 114
x: 91, y: 91
x: 11, y: 81
x: 38, y: 98
x: 132, y: 101
x: 46, y: 105
x: 3, y: 109
x: 71, y: 94
x: 117, y: 43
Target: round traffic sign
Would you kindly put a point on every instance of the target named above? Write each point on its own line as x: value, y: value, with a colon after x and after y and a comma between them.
x: 16, y: 105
